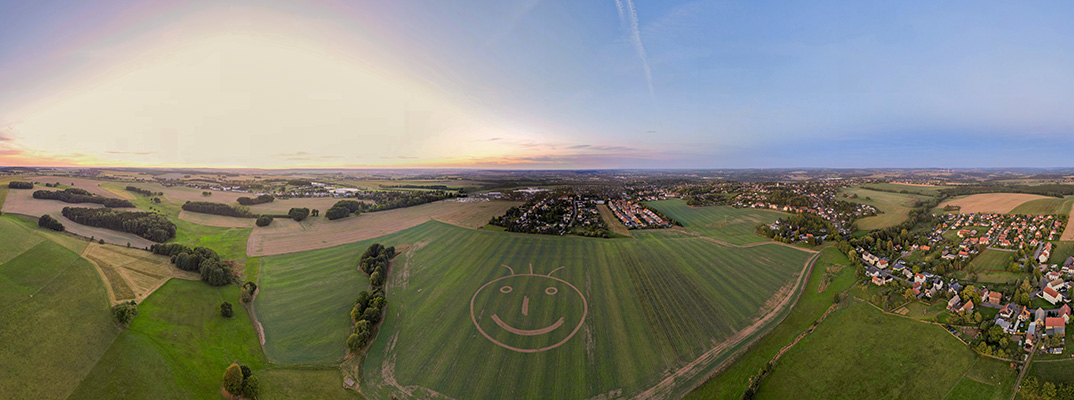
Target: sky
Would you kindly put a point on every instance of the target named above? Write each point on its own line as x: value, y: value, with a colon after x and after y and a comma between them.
x: 536, y: 84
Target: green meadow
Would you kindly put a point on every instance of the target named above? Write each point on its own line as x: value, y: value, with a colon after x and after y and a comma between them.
x: 732, y: 225
x: 1045, y: 206
x: 894, y: 207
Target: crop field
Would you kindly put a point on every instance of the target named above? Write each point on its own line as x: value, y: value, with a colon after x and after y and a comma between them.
x: 732, y: 225
x: 90, y: 185
x: 1001, y: 203
x: 177, y: 347
x: 613, y: 223
x: 1050, y: 205
x: 992, y: 260
x: 894, y: 207
x: 286, y: 236
x: 730, y: 383
x: 1056, y: 371
x: 22, y: 202
x: 132, y: 274
x: 183, y: 194
x: 219, y: 221
x: 851, y: 355
x: 282, y: 206
x: 680, y: 297
x: 47, y: 291
x: 927, y: 190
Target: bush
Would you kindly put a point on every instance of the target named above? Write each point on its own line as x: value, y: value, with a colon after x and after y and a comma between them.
x: 248, y: 290
x: 298, y: 214
x: 152, y: 226
x: 46, y: 221
x: 226, y: 311
x: 233, y: 379
x: 215, y: 272
x: 139, y: 190
x: 168, y: 249
x: 264, y: 220
x: 124, y: 312
x: 20, y: 185
x: 251, y: 388
x: 337, y: 213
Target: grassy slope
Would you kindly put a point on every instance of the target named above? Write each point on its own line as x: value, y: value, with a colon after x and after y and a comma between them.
x: 724, y: 223
x: 677, y: 295
x: 177, y: 347
x: 860, y: 352
x: 1045, y: 206
x: 54, y: 318
x: 894, y: 207
x: 732, y: 382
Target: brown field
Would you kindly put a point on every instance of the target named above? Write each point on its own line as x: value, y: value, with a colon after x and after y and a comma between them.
x: 286, y: 236
x: 1068, y: 234
x: 22, y: 202
x: 91, y: 185
x: 282, y: 206
x: 991, y: 202
x: 183, y: 194
x: 614, y: 224
x: 216, y: 220
x: 132, y: 274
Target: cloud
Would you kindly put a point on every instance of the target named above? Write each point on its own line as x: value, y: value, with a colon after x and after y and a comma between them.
x: 135, y: 153
x: 628, y: 17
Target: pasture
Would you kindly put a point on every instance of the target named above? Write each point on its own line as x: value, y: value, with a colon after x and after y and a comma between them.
x: 1055, y: 371
x: 853, y: 355
x: 47, y: 292
x: 219, y: 221
x: 671, y: 301
x: 992, y: 260
x: 894, y: 207
x: 287, y: 236
x: 1001, y: 203
x: 732, y: 381
x: 727, y: 224
x: 1050, y: 205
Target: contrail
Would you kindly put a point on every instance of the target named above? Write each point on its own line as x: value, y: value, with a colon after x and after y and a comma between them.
x: 628, y: 17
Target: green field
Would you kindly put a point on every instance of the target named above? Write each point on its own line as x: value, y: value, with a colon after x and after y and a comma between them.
x: 1045, y: 206
x: 1055, y: 371
x: 732, y: 382
x: 666, y: 299
x: 924, y: 190
x: 860, y: 353
x: 54, y: 317
x: 229, y: 242
x: 992, y: 260
x: 894, y: 207
x: 732, y: 225
x: 303, y: 383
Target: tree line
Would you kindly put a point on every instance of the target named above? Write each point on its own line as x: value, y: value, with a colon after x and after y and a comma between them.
x: 206, y: 261
x: 1053, y: 189
x: 20, y: 185
x: 368, y: 306
x: 46, y: 221
x: 152, y: 226
x: 143, y: 192
x: 208, y: 207
x: 75, y: 195
x: 262, y: 199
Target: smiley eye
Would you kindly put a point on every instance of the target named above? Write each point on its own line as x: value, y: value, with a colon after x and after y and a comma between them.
x: 506, y: 289
x: 551, y: 290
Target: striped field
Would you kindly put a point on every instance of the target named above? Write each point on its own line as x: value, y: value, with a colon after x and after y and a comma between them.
x: 619, y: 317
x: 732, y: 225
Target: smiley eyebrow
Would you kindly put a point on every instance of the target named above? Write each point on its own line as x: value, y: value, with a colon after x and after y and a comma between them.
x: 557, y: 269
x: 508, y: 267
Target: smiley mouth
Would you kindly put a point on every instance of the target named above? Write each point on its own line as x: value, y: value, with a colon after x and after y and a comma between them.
x: 526, y: 332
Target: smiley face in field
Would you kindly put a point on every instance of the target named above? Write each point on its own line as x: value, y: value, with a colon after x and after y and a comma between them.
x: 528, y: 313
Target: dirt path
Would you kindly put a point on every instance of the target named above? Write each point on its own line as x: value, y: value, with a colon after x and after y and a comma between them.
x: 745, y: 336
x: 1025, y: 367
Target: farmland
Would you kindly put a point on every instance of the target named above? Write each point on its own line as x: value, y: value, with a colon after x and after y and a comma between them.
x: 1050, y: 205
x: 47, y: 291
x: 318, y: 233
x: 850, y: 355
x: 732, y: 225
x: 613, y: 223
x: 1001, y: 203
x: 132, y: 274
x: 219, y: 221
x: 927, y: 190
x: 674, y: 294
x: 894, y: 207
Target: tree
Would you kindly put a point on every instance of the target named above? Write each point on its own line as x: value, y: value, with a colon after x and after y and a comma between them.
x: 299, y: 214
x: 226, y: 311
x: 264, y: 220
x: 251, y: 388
x: 124, y: 312
x: 337, y: 213
x: 315, y: 212
x: 46, y: 221
x: 233, y: 379
x: 371, y: 314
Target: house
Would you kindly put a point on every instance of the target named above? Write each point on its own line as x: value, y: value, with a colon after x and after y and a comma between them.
x: 1055, y: 326
x: 872, y: 272
x: 1057, y: 285
x: 992, y: 297
x: 1005, y: 324
x: 1025, y: 315
x: 1064, y: 312
x: 968, y: 307
x: 878, y: 281
x: 883, y: 263
x: 953, y: 303
x: 1053, y: 275
x: 919, y: 278
x: 1008, y: 311
x: 1051, y: 295
x: 1039, y: 315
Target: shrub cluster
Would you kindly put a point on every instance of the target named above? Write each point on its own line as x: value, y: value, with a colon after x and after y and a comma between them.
x: 74, y: 195
x: 262, y: 199
x: 46, y: 221
x: 368, y: 306
x: 337, y: 212
x: 264, y: 220
x: 124, y: 312
x: 20, y: 185
x: 208, y: 207
x: 226, y: 311
x: 205, y: 261
x: 152, y: 226
x: 248, y: 290
x: 140, y: 191
x: 239, y: 380
x: 298, y: 214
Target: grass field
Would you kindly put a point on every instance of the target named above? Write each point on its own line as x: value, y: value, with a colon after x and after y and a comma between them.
x: 132, y: 274
x: 897, y: 187
x: 303, y: 383
x: 992, y: 260
x: 286, y: 236
x: 1050, y: 205
x: 1055, y: 371
x: 894, y: 207
x: 678, y: 296
x: 732, y: 225
x: 613, y: 223
x: 995, y: 202
x: 177, y: 347
x: 732, y: 381
x: 54, y: 317
x: 860, y: 352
